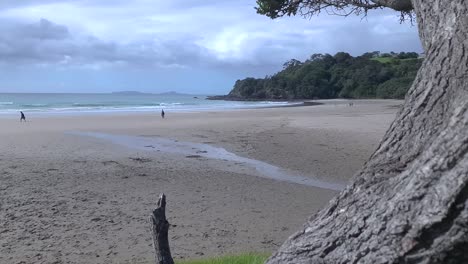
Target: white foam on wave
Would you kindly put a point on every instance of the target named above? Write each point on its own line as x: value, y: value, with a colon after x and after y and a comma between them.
x: 97, y: 108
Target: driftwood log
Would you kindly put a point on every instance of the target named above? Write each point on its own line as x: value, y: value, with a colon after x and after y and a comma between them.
x: 159, y: 230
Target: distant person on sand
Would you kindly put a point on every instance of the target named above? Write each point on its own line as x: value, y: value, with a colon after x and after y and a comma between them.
x: 23, y: 118
x: 162, y: 113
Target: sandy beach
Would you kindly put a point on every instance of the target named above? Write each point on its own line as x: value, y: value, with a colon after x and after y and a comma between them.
x: 79, y: 189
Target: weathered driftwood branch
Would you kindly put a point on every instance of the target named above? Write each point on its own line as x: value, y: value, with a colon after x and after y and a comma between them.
x: 159, y: 230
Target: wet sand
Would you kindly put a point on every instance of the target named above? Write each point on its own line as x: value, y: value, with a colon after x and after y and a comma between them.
x: 79, y: 189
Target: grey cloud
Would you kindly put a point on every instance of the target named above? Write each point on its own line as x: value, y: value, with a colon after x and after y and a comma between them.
x: 48, y: 43
x: 44, y: 30
x: 30, y: 42
x: 6, y: 4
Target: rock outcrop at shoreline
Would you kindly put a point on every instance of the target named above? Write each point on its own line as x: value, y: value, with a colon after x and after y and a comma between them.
x: 223, y: 97
x: 233, y: 98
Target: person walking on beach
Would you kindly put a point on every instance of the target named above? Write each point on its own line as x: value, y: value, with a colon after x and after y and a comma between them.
x: 23, y: 118
x: 162, y: 113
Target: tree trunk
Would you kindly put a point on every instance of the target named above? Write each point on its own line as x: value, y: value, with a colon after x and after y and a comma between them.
x: 159, y: 230
x: 409, y: 203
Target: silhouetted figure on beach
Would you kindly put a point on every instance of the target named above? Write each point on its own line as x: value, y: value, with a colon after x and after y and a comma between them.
x: 23, y: 118
x: 162, y: 113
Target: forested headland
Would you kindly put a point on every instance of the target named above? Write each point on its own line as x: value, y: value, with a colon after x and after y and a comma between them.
x: 323, y: 76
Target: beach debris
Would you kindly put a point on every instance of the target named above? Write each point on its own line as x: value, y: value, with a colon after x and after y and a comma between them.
x: 109, y: 162
x: 160, y: 230
x: 193, y: 156
x: 142, y: 160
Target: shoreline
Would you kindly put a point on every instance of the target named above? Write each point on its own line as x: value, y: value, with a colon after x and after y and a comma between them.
x: 287, y: 104
x: 146, y: 111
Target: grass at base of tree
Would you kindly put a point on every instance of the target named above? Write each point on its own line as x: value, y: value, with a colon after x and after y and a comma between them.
x: 249, y: 258
x: 384, y: 59
x: 391, y: 59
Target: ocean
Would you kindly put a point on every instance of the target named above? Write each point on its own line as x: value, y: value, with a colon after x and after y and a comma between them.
x: 68, y: 103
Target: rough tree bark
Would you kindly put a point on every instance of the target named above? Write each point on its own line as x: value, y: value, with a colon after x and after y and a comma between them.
x: 159, y: 230
x: 409, y: 203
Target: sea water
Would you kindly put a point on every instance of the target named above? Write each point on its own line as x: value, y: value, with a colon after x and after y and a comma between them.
x: 56, y: 103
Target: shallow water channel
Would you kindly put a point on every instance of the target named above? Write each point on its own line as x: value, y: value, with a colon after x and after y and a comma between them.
x: 194, y: 150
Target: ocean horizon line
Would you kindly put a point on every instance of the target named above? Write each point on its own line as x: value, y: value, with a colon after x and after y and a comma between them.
x: 117, y: 92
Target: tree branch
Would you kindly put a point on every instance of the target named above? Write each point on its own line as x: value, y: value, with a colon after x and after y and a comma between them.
x: 398, y: 5
x: 307, y: 8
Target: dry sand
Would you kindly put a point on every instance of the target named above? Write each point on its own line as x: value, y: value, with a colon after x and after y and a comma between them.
x: 69, y: 198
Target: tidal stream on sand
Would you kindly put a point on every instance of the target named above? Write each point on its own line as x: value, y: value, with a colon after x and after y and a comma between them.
x: 190, y: 149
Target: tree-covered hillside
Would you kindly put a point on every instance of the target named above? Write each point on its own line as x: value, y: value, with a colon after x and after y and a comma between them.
x: 371, y: 75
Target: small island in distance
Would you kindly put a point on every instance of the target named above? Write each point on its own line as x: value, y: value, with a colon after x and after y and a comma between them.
x: 373, y: 75
x: 129, y: 93
x: 170, y: 93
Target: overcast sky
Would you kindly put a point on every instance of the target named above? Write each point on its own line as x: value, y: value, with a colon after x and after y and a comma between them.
x: 192, y: 46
